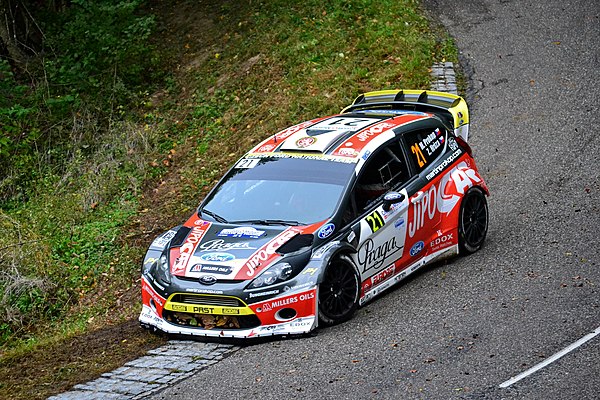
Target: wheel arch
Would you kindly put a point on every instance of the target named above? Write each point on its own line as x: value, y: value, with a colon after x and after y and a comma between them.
x: 341, y: 248
x: 466, y: 248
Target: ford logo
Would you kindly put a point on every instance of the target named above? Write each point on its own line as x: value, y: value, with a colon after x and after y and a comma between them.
x: 416, y: 249
x: 217, y: 257
x: 208, y: 280
x: 326, y: 231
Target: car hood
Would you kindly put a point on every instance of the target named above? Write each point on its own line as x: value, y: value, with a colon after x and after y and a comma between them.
x: 229, y: 252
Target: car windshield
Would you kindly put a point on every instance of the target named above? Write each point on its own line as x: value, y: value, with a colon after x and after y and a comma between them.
x: 274, y: 190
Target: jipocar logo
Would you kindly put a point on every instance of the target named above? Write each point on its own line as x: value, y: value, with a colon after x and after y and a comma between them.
x: 416, y: 249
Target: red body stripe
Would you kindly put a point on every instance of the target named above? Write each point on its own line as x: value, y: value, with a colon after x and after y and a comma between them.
x: 353, y: 146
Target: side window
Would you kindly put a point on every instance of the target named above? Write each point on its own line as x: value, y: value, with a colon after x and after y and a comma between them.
x: 383, y: 171
x: 425, y: 145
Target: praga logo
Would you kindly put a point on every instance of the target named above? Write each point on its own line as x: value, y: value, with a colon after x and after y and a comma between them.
x: 220, y: 244
x: 370, y: 256
x: 440, y: 199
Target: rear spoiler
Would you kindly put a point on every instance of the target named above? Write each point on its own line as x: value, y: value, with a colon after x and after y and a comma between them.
x: 451, y: 108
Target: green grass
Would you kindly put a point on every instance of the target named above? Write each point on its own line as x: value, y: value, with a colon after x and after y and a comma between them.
x: 69, y: 251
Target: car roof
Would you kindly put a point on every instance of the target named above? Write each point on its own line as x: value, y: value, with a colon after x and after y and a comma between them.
x: 347, y: 137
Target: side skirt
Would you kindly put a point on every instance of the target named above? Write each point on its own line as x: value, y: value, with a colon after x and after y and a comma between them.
x: 392, y: 280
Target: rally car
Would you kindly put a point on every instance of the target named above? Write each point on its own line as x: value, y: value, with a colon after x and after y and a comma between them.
x: 320, y: 218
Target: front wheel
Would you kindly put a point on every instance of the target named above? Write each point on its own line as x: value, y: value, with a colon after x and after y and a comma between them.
x: 339, y: 291
x: 472, y: 221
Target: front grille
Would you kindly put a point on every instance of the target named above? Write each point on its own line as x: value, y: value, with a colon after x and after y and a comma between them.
x: 207, y: 321
x: 220, y: 301
x: 191, y: 279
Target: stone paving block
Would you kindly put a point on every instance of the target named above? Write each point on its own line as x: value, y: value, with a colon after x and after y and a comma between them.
x: 87, y: 395
x: 166, y: 379
x: 190, y: 366
x: 444, y: 77
x: 148, y: 361
x: 135, y: 388
x: 145, y: 374
x: 131, y: 374
x: 84, y: 387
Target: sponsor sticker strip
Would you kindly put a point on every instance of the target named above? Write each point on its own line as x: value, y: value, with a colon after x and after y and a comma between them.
x: 265, y: 254
x: 188, y: 247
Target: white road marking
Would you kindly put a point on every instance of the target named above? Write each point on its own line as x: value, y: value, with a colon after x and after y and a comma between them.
x: 551, y: 359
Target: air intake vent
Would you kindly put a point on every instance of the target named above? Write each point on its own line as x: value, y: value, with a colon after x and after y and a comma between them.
x: 207, y: 300
x: 296, y: 243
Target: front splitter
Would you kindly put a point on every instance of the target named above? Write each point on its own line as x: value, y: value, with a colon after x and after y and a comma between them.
x: 295, y: 326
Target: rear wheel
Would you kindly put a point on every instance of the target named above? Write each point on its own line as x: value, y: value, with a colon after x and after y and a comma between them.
x: 472, y: 221
x: 339, y: 291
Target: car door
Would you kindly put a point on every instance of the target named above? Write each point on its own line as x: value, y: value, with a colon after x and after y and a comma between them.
x: 423, y: 146
x: 381, y: 233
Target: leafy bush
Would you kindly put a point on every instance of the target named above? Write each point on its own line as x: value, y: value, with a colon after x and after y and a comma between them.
x: 101, y: 51
x: 95, y: 61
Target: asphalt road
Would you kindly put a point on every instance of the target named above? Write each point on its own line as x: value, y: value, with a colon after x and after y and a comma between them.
x: 460, y: 329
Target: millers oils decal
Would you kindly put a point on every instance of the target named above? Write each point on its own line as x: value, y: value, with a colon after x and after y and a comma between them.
x: 303, y: 303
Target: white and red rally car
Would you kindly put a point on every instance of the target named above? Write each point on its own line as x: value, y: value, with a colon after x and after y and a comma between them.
x: 319, y: 218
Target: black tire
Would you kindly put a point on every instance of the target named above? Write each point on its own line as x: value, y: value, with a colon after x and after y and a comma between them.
x: 472, y: 221
x: 339, y: 291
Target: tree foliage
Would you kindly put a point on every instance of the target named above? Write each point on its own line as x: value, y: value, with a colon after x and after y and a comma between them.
x: 57, y: 63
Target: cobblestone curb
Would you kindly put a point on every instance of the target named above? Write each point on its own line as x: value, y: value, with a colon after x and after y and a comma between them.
x: 445, y: 78
x: 139, y: 378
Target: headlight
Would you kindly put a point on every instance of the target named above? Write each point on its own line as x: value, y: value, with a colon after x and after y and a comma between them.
x: 277, y: 273
x: 160, y: 270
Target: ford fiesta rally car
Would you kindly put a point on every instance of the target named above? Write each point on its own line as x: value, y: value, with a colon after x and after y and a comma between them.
x: 319, y: 218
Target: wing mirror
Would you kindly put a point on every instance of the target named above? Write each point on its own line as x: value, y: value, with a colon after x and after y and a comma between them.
x: 390, y: 199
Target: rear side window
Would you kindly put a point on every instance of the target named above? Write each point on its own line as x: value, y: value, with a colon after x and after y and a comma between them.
x: 425, y: 145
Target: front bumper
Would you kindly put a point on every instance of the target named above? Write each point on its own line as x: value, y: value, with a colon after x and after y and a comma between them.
x: 286, y: 313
